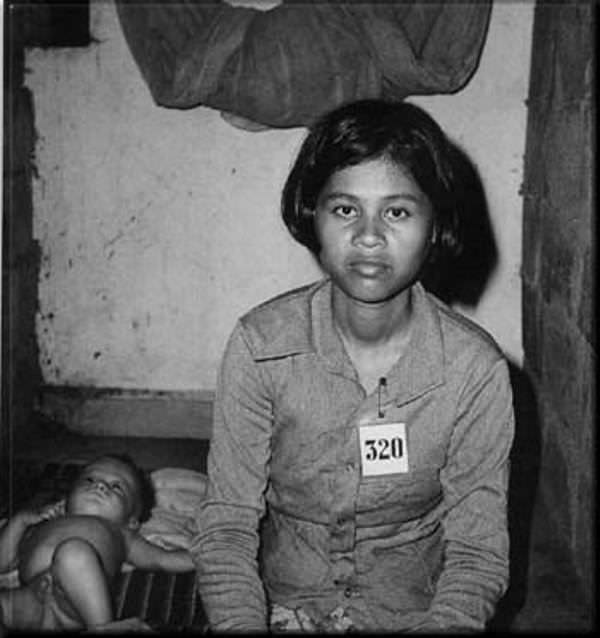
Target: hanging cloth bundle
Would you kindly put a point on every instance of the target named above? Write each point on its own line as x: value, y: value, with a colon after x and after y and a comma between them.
x: 285, y: 66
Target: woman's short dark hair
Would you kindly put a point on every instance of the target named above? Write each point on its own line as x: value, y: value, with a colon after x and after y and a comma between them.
x: 372, y: 129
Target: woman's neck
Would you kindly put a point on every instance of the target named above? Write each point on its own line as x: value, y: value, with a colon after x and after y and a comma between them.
x: 375, y: 336
x: 369, y: 324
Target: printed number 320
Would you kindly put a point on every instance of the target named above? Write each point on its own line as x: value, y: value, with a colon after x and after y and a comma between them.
x: 383, y: 449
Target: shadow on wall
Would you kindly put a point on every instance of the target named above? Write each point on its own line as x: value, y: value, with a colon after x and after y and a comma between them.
x: 522, y: 491
x: 464, y: 278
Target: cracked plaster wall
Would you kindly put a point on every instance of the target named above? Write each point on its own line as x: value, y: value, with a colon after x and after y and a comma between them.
x: 158, y: 227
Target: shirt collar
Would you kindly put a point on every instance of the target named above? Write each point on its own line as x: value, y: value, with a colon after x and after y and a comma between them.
x: 421, y: 367
x: 308, y: 327
x: 418, y: 370
x: 285, y: 327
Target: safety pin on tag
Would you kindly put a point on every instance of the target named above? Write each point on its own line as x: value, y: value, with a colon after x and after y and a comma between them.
x: 380, y: 386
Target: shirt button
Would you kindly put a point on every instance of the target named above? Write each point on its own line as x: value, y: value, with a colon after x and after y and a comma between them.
x: 348, y: 592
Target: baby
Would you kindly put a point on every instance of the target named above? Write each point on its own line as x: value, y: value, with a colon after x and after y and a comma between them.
x: 67, y: 565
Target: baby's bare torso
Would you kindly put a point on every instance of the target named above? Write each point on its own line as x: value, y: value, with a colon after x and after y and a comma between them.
x: 39, y: 543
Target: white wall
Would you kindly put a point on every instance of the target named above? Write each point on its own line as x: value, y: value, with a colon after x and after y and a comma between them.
x: 159, y: 227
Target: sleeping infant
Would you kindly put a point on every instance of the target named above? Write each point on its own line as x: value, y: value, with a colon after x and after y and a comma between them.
x: 67, y: 564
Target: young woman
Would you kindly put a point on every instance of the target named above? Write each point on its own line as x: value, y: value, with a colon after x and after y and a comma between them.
x: 359, y: 462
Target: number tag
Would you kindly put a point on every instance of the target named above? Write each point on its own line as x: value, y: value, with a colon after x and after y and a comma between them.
x: 383, y: 449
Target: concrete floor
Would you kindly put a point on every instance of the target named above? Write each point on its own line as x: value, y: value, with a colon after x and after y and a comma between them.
x: 544, y: 596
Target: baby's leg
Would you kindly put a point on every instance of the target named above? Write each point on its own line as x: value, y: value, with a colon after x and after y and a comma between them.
x: 77, y: 570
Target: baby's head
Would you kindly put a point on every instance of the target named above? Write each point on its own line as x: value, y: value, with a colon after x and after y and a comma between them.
x: 113, y: 487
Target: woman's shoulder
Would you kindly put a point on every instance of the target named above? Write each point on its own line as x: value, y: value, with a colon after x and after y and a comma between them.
x: 282, y: 310
x: 281, y: 324
x: 464, y: 335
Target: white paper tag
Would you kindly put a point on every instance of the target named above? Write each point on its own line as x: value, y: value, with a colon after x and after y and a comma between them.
x: 383, y: 448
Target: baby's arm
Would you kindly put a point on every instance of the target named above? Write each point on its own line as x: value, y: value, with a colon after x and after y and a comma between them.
x: 11, y: 534
x: 146, y: 555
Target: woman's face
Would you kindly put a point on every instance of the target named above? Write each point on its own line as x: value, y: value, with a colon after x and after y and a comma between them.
x: 375, y: 226
x: 105, y: 488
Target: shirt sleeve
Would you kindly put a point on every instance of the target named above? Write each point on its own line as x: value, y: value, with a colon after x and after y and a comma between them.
x: 226, y: 547
x: 475, y: 484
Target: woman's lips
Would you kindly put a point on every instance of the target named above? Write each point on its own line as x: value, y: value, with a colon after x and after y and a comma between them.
x: 368, y: 267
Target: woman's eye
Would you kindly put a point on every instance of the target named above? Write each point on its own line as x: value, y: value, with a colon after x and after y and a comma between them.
x: 116, y: 487
x: 394, y: 214
x: 345, y: 211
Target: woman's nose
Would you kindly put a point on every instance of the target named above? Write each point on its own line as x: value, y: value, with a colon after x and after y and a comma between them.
x: 369, y: 232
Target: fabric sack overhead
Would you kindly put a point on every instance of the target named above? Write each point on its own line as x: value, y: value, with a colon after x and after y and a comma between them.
x: 285, y: 66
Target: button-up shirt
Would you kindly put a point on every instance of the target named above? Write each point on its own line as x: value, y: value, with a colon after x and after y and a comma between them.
x: 293, y: 518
